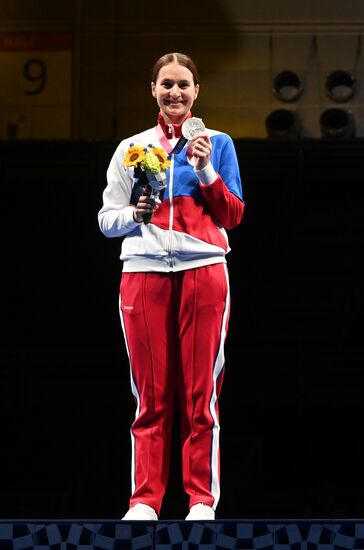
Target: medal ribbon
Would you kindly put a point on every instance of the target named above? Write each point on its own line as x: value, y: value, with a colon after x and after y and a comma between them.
x: 164, y: 141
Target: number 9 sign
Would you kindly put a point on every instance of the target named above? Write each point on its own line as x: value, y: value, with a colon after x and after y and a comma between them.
x: 35, y: 71
x: 35, y: 91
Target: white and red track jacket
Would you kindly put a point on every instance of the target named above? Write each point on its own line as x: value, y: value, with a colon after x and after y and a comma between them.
x: 188, y: 228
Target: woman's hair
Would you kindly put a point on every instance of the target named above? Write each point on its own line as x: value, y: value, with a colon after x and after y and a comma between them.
x: 181, y: 59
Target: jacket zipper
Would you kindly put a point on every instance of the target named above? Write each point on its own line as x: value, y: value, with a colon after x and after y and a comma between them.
x: 170, y: 227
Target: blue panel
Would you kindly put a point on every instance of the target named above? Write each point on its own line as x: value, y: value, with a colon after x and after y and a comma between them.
x: 182, y: 535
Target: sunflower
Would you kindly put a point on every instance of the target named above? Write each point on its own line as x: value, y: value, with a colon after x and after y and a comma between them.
x: 134, y: 155
x: 162, y: 157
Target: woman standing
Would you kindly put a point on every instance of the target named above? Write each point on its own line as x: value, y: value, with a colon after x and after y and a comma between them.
x: 174, y: 292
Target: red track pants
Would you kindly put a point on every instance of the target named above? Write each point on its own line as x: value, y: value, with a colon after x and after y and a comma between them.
x: 175, y: 326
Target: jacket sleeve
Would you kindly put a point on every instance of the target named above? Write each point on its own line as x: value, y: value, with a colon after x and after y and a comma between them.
x: 224, y: 195
x: 116, y: 215
x: 224, y: 205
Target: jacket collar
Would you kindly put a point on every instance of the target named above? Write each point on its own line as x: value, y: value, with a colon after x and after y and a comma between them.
x: 171, y: 130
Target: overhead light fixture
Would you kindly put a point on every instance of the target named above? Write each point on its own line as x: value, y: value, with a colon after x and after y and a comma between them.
x: 283, y: 124
x: 287, y: 86
x: 337, y: 123
x: 340, y: 86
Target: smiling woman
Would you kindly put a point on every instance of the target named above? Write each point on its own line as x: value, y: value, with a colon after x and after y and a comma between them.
x: 174, y: 292
x: 175, y: 85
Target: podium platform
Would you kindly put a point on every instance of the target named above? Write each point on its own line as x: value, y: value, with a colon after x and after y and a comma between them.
x: 239, y: 534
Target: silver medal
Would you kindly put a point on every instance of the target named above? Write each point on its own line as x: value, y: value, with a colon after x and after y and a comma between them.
x: 192, y: 126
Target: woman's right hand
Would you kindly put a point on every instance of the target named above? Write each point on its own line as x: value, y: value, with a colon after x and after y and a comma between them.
x: 145, y: 205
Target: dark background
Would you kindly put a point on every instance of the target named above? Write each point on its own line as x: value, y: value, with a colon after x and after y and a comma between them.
x: 292, y: 401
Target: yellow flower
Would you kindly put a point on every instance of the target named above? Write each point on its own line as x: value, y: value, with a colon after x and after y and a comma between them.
x: 162, y: 157
x: 134, y: 155
x: 148, y: 158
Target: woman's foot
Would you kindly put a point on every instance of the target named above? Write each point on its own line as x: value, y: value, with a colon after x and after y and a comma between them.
x: 141, y: 512
x: 200, y: 512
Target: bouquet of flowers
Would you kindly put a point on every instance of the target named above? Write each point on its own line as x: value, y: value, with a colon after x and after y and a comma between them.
x: 153, y: 161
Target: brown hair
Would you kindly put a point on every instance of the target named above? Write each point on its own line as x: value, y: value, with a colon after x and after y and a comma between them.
x: 181, y: 59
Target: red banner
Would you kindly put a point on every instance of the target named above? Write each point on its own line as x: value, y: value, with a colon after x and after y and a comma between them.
x: 35, y: 41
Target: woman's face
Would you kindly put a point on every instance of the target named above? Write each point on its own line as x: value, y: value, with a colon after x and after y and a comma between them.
x: 175, y: 92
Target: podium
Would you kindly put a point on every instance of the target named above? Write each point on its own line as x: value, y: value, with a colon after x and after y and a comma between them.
x: 239, y: 534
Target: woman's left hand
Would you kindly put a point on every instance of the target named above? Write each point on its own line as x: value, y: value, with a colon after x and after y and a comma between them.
x: 201, y: 148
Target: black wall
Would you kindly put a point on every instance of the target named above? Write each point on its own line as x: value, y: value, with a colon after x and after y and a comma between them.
x: 292, y: 401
